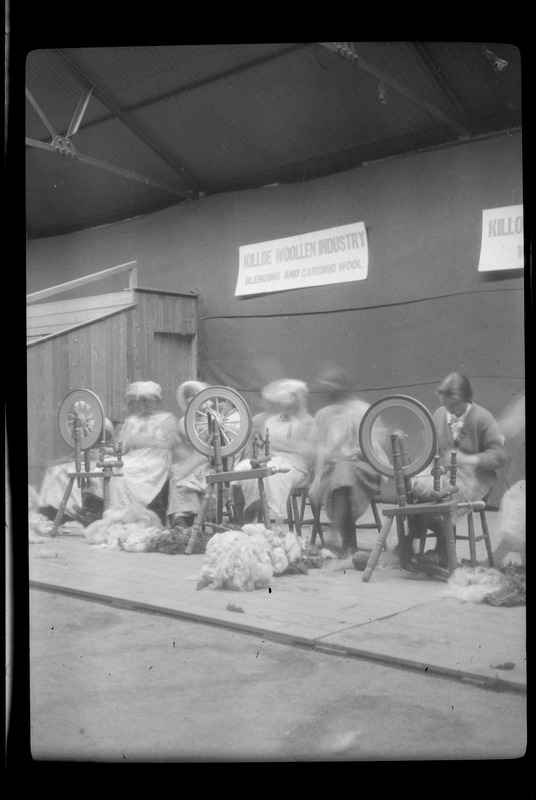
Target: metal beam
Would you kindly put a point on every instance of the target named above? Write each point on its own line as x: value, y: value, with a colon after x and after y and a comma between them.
x: 209, y: 80
x: 125, y: 173
x: 79, y: 113
x: 346, y: 51
x: 434, y: 71
x: 87, y: 80
x: 41, y: 113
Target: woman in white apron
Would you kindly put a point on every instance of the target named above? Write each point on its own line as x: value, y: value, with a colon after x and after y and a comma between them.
x: 148, y: 436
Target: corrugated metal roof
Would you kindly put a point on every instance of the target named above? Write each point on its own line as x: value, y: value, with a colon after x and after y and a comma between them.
x: 166, y: 123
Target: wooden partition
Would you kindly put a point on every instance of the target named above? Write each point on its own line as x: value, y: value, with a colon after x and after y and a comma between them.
x: 153, y: 338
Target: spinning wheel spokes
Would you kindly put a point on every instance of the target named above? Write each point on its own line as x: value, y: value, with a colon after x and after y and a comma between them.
x: 83, y: 409
x: 221, y: 405
x: 83, y: 412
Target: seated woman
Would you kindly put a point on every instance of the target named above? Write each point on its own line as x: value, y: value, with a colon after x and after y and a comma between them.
x: 148, y: 436
x: 82, y: 506
x: 187, y: 484
x: 471, y: 431
x: 341, y: 479
x: 512, y: 511
x: 288, y: 424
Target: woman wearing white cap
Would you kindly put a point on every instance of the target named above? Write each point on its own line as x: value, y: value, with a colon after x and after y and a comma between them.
x: 187, y: 484
x: 148, y: 436
x: 288, y: 423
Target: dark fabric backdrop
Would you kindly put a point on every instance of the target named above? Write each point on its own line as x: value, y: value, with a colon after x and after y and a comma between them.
x: 423, y: 311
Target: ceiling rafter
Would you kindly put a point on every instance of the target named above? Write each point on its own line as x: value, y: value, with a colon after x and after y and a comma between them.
x: 347, y: 51
x: 317, y: 132
x: 203, y: 82
x: 423, y: 53
x: 64, y: 145
x: 87, y: 81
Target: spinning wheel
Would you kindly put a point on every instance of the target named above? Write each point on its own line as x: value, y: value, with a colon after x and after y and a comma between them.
x: 81, y: 410
x: 218, y: 424
x: 226, y: 408
x: 411, y: 421
x: 81, y: 422
x: 405, y: 429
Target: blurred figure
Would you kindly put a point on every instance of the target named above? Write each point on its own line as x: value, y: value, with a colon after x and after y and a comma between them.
x: 342, y: 480
x: 82, y: 506
x: 148, y: 436
x: 512, y: 512
x: 187, y: 484
x: 471, y: 430
x: 288, y: 423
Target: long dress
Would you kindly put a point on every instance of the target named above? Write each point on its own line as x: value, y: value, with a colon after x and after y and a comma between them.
x: 56, y: 479
x: 289, y: 441
x: 147, y: 440
x: 338, y: 461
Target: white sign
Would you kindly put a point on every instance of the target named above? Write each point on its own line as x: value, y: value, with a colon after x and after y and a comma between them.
x: 334, y: 255
x: 502, y: 239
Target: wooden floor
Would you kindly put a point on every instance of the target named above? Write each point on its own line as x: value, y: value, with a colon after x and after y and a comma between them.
x: 393, y: 619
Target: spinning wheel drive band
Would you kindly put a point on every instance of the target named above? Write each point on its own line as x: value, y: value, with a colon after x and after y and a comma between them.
x: 414, y: 424
x: 231, y: 412
x: 85, y: 406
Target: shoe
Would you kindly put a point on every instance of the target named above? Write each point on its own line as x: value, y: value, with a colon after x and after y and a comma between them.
x: 404, y: 553
x: 180, y: 521
x: 434, y: 559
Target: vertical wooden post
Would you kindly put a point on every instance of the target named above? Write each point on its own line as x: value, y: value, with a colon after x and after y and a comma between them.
x: 399, y: 471
x: 453, y: 467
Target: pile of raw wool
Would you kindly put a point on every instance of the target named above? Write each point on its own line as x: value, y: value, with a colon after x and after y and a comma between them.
x: 504, y: 587
x: 133, y: 529
x: 174, y: 541
x: 39, y: 526
x: 245, y: 560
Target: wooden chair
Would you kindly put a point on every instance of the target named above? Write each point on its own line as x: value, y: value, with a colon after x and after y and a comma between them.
x: 444, y: 506
x: 295, y: 515
x: 471, y: 536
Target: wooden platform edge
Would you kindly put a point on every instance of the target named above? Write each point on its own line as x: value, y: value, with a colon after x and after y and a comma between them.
x: 484, y: 681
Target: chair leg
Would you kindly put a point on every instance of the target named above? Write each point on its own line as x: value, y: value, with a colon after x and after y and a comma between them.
x: 422, y: 542
x: 377, y: 519
x: 472, y: 543
x: 487, y: 540
x: 379, y: 546
x: 317, y: 527
x: 400, y: 531
x: 302, y: 506
x: 289, y: 515
x: 296, y: 514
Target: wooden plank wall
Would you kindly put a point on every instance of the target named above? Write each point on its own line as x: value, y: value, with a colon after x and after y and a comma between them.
x: 46, y: 318
x: 171, y: 353
x: 105, y: 356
